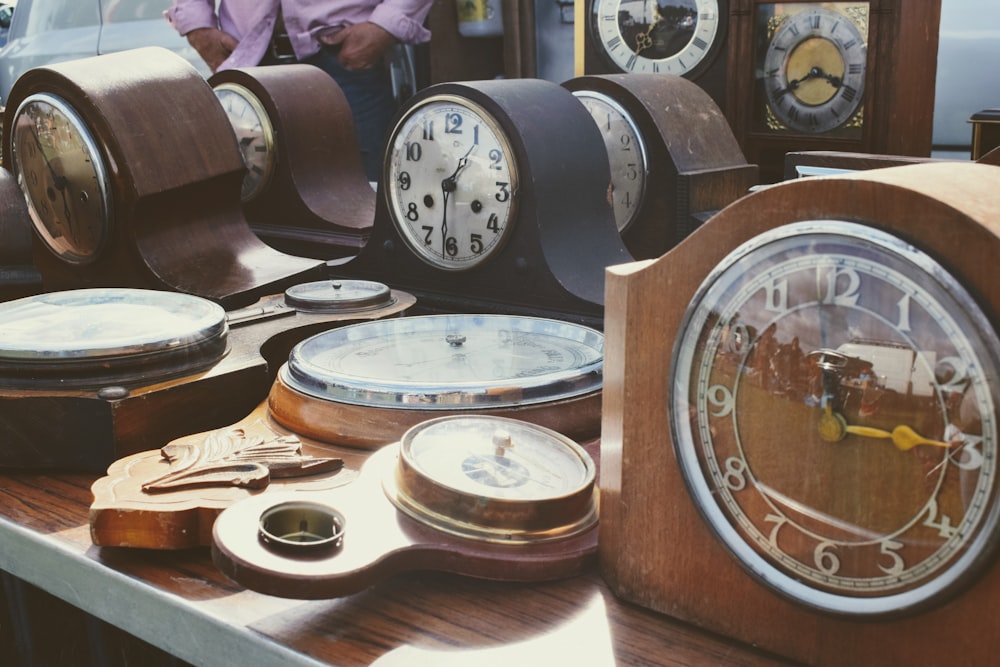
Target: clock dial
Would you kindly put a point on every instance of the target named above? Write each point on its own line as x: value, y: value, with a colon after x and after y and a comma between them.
x: 254, y: 133
x: 834, y: 417
x: 452, y: 182
x: 670, y: 37
x: 626, y: 154
x: 62, y: 174
x: 813, y: 67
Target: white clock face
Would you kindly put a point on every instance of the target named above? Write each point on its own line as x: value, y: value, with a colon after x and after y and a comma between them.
x: 451, y: 182
x: 626, y: 155
x: 667, y: 37
x: 254, y: 133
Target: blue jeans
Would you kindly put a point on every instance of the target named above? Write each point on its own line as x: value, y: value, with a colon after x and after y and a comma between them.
x: 369, y: 92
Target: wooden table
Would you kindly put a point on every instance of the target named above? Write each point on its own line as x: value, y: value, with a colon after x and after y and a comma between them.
x: 179, y: 602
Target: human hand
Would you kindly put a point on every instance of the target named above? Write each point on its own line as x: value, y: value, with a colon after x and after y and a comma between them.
x: 213, y: 45
x: 362, y: 46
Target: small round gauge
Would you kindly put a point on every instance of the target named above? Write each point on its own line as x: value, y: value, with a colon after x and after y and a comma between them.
x: 63, y: 176
x: 452, y: 182
x: 328, y: 296
x: 494, y: 478
x: 626, y: 154
x: 88, y: 336
x: 815, y: 70
x: 254, y: 133
x: 671, y: 37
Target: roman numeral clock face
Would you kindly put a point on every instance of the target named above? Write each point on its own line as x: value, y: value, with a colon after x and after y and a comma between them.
x: 665, y: 37
x: 812, y: 72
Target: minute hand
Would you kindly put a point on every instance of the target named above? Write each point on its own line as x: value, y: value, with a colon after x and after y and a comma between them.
x: 904, y: 437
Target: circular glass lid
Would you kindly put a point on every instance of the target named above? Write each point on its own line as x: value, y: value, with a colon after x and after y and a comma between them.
x: 449, y: 362
x: 110, y: 330
x: 338, y: 296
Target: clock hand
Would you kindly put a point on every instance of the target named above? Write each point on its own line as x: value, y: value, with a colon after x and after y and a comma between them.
x: 833, y: 427
x: 449, y: 185
x: 643, y: 40
x: 59, y: 181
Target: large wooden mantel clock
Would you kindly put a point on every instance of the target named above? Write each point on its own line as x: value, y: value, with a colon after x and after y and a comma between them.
x: 842, y: 76
x: 800, y: 446
x: 688, y: 39
x: 495, y: 198
x: 132, y: 177
x: 305, y: 191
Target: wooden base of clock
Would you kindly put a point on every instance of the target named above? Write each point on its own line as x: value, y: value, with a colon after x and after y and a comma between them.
x: 377, y: 541
x: 131, y: 510
x: 655, y: 548
x: 18, y: 275
x: 88, y: 428
x: 369, y: 427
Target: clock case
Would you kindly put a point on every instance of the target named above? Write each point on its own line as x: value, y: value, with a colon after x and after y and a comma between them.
x: 85, y: 425
x: 898, y: 102
x: 175, y: 174
x: 695, y: 166
x: 563, y: 235
x: 945, y: 209
x: 710, y: 74
x: 318, y: 202
x: 18, y: 275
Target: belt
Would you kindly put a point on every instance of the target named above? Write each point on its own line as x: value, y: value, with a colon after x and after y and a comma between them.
x: 280, y: 47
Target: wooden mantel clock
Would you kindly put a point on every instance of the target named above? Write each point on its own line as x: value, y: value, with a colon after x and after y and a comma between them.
x: 132, y: 177
x: 305, y: 191
x: 688, y: 39
x: 839, y: 76
x: 495, y: 199
x: 800, y: 447
x: 674, y: 159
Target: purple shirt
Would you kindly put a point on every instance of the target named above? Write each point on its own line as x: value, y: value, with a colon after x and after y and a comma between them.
x: 252, y: 22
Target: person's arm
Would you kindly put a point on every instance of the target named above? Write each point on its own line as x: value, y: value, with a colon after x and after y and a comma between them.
x: 197, y: 20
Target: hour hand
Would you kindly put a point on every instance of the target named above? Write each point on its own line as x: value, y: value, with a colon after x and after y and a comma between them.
x: 833, y: 427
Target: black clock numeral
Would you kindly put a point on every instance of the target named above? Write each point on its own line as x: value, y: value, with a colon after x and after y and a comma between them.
x: 504, y: 193
x: 493, y: 224
x: 404, y: 180
x: 428, y: 129
x: 427, y: 236
x: 631, y: 62
x: 700, y: 43
x: 848, y: 93
x: 476, y: 244
x: 855, y: 69
x: 453, y: 123
x: 413, y: 151
x: 814, y: 22
x: 496, y: 157
x: 850, y: 44
x: 613, y: 43
x: 451, y: 246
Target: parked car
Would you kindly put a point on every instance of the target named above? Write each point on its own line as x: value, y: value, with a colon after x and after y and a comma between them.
x: 6, y: 15
x: 49, y: 31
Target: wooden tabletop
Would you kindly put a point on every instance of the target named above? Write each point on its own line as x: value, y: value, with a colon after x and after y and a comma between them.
x: 179, y: 602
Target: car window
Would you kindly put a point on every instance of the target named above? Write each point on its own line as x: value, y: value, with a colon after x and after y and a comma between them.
x: 51, y: 15
x: 120, y: 11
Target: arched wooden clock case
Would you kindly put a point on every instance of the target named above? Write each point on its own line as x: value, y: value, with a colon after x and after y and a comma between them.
x: 560, y: 233
x: 18, y: 275
x: 316, y: 201
x: 694, y: 166
x: 663, y: 543
x: 173, y: 175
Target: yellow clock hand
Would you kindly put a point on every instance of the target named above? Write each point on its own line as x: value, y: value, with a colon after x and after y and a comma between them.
x: 833, y: 427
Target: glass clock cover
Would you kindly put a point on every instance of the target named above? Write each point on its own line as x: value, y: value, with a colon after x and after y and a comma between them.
x: 89, y: 334
x: 449, y: 362
x: 834, y: 414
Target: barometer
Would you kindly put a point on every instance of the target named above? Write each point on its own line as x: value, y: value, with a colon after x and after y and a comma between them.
x: 478, y: 495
